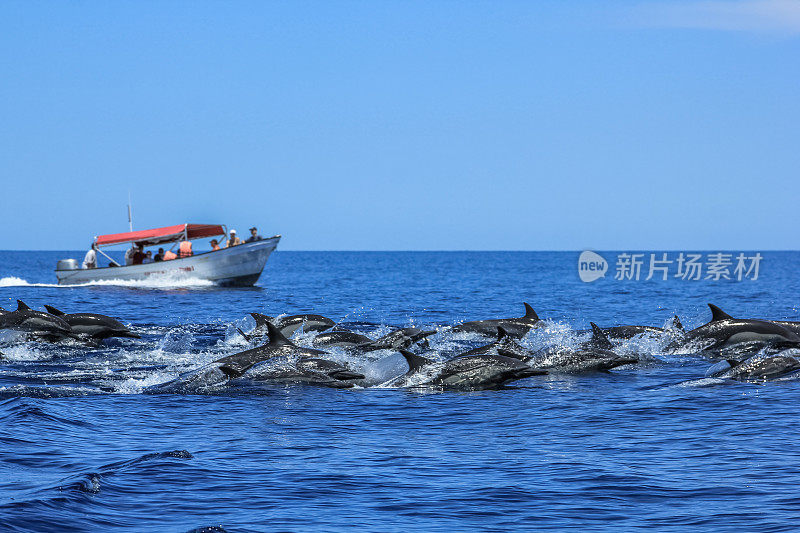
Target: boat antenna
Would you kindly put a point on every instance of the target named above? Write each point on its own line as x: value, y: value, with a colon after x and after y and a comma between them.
x: 130, y: 217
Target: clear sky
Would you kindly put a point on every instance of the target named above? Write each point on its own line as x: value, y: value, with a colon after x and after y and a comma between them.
x: 382, y: 125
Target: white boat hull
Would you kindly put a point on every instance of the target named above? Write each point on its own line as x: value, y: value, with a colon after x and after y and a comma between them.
x: 235, y: 266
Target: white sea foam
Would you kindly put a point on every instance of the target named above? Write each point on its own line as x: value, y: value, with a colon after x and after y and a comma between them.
x: 156, y: 282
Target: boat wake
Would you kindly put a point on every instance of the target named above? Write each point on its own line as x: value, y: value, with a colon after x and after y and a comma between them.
x: 160, y: 282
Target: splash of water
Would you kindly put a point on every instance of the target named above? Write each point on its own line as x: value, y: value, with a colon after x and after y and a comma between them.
x: 159, y: 282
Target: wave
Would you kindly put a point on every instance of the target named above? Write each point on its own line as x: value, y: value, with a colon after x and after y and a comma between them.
x: 160, y: 282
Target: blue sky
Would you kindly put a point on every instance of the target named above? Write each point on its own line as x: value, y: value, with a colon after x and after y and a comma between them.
x: 380, y: 125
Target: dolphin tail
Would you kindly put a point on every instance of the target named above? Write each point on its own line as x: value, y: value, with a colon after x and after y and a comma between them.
x: 529, y: 312
x: 415, y: 362
x: 53, y: 311
x: 261, y: 320
x: 22, y: 306
x: 718, y: 314
x: 599, y: 338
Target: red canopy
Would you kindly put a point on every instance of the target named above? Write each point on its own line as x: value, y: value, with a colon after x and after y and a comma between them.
x: 151, y: 237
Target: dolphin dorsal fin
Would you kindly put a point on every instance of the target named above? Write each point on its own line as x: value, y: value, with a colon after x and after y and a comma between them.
x: 275, y: 335
x: 599, y: 338
x: 22, y: 306
x: 501, y: 333
x: 261, y: 320
x: 676, y: 323
x: 244, y: 335
x: 53, y: 311
x: 529, y: 312
x: 415, y: 362
x: 718, y: 314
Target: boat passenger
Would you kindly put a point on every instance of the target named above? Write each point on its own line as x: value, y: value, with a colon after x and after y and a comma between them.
x: 169, y: 255
x: 159, y: 256
x: 254, y: 236
x: 185, y: 249
x: 234, y: 240
x: 148, y: 257
x: 214, y: 245
x: 90, y: 259
x: 129, y: 254
x: 138, y: 256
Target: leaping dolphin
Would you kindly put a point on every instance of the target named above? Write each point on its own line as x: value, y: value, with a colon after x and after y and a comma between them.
x: 504, y: 345
x: 724, y: 331
x: 37, y: 323
x: 516, y: 327
x: 316, y: 370
x: 628, y: 332
x: 237, y: 364
x: 94, y: 325
x: 340, y: 339
x: 400, y: 338
x: 591, y: 356
x: 757, y: 367
x: 464, y: 372
x: 289, y: 324
x: 307, y: 368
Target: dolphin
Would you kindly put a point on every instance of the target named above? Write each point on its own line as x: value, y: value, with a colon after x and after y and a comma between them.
x: 516, y: 327
x: 237, y: 365
x: 464, y: 373
x: 37, y: 323
x: 724, y: 331
x: 94, y: 325
x: 504, y: 345
x: 758, y: 367
x: 628, y: 332
x: 591, y: 356
x: 401, y: 338
x: 289, y: 324
x: 340, y: 339
x: 791, y: 325
x: 306, y: 371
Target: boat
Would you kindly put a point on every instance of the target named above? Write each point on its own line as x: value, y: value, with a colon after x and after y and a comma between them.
x: 238, y: 266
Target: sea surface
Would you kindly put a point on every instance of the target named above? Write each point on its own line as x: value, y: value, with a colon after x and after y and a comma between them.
x: 651, y: 445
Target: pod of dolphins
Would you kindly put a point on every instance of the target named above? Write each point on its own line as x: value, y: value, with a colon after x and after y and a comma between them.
x: 746, y: 349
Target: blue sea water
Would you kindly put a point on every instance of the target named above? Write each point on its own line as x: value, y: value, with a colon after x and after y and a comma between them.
x: 650, y: 445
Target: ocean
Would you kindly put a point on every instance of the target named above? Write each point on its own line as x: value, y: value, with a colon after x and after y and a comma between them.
x: 651, y: 445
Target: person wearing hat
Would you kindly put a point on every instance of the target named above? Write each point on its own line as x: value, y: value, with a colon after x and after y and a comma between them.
x: 254, y: 236
x: 234, y: 240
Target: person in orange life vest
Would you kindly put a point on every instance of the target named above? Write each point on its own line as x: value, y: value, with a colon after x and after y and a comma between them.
x: 214, y: 245
x: 169, y: 254
x: 185, y: 249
